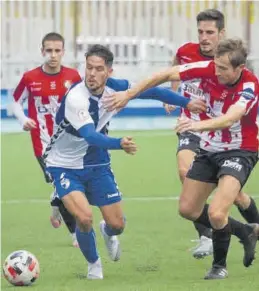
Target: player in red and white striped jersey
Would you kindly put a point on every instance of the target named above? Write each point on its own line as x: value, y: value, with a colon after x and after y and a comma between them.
x: 229, y: 147
x: 211, y: 30
x: 43, y: 89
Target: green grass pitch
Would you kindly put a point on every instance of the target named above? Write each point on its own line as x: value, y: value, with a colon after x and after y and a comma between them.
x: 156, y: 241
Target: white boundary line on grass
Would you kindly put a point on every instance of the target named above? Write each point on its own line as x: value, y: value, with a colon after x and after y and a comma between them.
x: 145, y: 199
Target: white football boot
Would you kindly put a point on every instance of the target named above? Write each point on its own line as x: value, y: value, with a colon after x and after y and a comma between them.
x: 95, y: 270
x: 203, y: 249
x: 112, y: 243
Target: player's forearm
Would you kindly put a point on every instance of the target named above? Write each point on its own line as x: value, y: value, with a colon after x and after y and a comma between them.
x: 155, y: 80
x: 18, y: 112
x: 234, y: 114
x: 94, y: 138
x: 213, y: 124
x: 164, y: 95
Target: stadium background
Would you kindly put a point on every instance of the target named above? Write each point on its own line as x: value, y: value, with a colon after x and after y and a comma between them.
x: 144, y: 36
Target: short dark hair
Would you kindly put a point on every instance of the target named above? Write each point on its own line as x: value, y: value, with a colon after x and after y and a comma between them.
x: 102, y: 52
x: 212, y: 15
x: 236, y: 50
x: 54, y: 36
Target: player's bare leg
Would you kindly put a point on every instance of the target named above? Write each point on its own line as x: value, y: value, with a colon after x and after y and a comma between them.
x: 204, y: 246
x: 77, y: 204
x: 59, y: 213
x: 224, y: 197
x: 112, y: 226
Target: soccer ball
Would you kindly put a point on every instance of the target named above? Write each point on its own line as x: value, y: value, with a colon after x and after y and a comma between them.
x: 21, y: 268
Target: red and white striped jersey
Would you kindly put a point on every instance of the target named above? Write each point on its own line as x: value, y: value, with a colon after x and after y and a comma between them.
x: 44, y: 93
x: 243, y: 133
x: 190, y: 53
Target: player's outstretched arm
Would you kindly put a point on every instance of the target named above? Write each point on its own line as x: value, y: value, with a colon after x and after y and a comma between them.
x: 170, y: 97
x: 234, y: 114
x: 174, y: 85
x: 119, y: 100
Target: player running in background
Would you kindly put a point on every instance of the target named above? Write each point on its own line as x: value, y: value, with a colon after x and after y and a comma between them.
x: 77, y: 156
x: 229, y: 145
x: 211, y: 29
x: 43, y: 88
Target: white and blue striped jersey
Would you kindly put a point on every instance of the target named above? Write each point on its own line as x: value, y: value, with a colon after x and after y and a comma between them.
x: 67, y: 149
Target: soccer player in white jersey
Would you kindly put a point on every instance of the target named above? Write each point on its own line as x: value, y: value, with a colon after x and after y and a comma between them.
x: 229, y: 145
x: 77, y: 156
x: 211, y: 29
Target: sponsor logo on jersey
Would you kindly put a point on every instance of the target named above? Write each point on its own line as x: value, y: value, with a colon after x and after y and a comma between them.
x: 248, y: 94
x: 35, y: 83
x: 192, y: 90
x: 35, y: 89
x: 53, y: 85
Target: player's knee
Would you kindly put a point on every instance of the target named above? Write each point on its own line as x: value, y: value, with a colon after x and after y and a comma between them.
x: 118, y: 225
x: 186, y: 211
x: 217, y: 218
x: 85, y: 221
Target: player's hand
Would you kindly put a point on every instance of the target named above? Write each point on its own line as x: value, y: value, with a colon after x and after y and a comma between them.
x: 128, y: 145
x: 197, y: 106
x: 29, y: 124
x: 169, y: 108
x: 117, y: 100
x: 184, y: 124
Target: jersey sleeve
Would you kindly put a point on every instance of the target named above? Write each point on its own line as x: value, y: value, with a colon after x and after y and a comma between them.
x: 21, y: 92
x: 203, y: 69
x: 77, y: 110
x: 247, y: 97
x: 118, y: 84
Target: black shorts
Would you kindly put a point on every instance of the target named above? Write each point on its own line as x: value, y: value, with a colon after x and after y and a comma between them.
x: 43, y: 167
x: 188, y: 141
x: 209, y: 167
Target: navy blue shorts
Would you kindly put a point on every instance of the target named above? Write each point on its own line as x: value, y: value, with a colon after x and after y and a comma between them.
x: 98, y: 184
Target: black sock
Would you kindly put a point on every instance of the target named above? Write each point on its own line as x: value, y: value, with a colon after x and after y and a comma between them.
x: 203, y: 230
x: 55, y: 202
x: 239, y: 229
x: 68, y: 218
x: 221, y: 240
x: 204, y: 217
x: 250, y: 214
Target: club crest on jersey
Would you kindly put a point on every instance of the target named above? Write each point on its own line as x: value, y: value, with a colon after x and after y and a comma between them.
x: 65, y: 183
x: 67, y: 84
x: 83, y: 114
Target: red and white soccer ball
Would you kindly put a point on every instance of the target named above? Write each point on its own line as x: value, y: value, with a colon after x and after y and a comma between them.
x: 21, y: 268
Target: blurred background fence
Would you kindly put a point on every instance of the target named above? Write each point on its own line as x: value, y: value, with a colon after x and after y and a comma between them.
x: 143, y: 35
